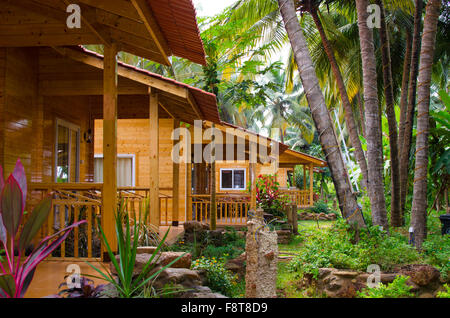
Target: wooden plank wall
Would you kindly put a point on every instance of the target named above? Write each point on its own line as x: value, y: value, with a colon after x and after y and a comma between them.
x: 133, y: 137
x: 27, y: 119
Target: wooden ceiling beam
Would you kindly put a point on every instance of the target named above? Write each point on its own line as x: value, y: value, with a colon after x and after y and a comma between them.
x: 145, y: 13
x: 125, y: 72
x: 193, y: 103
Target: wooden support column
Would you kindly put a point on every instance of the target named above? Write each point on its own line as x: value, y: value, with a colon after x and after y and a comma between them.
x: 311, y: 173
x: 154, y: 160
x: 212, y: 183
x: 189, y: 190
x: 175, y: 184
x: 109, y: 147
x: 252, y: 170
x: 304, y: 177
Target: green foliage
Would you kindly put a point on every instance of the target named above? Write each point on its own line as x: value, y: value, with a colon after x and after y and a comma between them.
x: 128, y: 284
x: 322, y: 207
x: 230, y: 245
x: 217, y: 277
x: 336, y: 247
x: 444, y: 294
x: 397, y: 289
x: 437, y: 252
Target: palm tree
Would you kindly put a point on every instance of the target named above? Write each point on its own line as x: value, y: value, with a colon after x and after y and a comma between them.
x: 419, y: 206
x: 409, y: 119
x: 373, y: 118
x: 312, y: 6
x: 319, y: 111
x: 285, y: 110
x: 392, y: 121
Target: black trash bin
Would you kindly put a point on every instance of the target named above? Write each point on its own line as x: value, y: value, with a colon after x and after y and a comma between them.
x: 445, y: 220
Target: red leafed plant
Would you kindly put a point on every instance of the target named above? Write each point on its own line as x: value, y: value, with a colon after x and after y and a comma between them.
x: 17, y: 273
x: 268, y: 195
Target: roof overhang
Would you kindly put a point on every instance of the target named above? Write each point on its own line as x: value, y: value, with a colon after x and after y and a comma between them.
x: 152, y: 29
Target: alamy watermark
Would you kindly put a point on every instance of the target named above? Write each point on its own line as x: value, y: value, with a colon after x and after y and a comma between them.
x: 74, y: 19
x: 230, y: 144
x: 374, y: 18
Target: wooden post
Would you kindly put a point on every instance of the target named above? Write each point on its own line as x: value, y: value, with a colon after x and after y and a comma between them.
x: 189, y: 190
x: 252, y: 168
x: 109, y: 147
x: 154, y: 159
x: 175, y: 184
x: 311, y: 172
x: 212, y: 183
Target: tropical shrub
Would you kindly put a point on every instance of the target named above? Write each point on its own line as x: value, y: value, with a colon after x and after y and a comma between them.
x: 269, y: 197
x: 218, y: 278
x: 127, y: 284
x: 321, y: 207
x: 444, y: 294
x: 397, y: 289
x: 16, y: 275
x: 436, y: 249
x: 336, y: 247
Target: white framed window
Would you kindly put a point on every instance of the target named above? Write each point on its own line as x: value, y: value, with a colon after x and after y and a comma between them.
x: 232, y: 179
x: 126, y: 169
x: 67, y: 152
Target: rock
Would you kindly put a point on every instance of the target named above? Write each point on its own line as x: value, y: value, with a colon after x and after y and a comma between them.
x: 324, y: 272
x: 202, y: 292
x: 177, y: 276
x: 237, y: 265
x: 422, y: 275
x: 146, y: 249
x: 167, y: 257
x: 346, y: 274
x: 387, y: 278
x: 191, y: 226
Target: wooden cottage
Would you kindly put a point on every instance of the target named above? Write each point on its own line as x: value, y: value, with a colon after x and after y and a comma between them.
x: 232, y: 175
x: 52, y: 90
x: 62, y: 106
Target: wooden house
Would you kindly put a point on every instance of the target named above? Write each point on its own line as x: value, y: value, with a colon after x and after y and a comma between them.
x: 53, y: 91
x: 232, y: 175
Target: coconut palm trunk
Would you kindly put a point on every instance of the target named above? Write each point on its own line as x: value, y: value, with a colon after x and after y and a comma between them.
x: 321, y: 117
x: 392, y: 121
x: 406, y: 143
x: 373, y: 118
x: 420, y: 203
x: 348, y: 112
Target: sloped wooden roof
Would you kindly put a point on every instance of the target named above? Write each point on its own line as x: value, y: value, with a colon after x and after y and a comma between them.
x: 179, y: 100
x: 153, y: 29
x: 287, y: 157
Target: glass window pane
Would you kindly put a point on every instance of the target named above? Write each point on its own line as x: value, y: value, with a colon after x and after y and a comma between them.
x: 239, y: 181
x: 62, y: 166
x: 227, y: 179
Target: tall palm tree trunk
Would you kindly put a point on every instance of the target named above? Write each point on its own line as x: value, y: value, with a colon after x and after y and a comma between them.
x: 347, y: 200
x: 348, y: 112
x: 420, y: 203
x: 392, y: 121
x: 404, y: 109
x: 406, y: 143
x: 373, y: 118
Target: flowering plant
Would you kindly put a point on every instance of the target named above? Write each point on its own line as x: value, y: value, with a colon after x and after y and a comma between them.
x: 269, y: 197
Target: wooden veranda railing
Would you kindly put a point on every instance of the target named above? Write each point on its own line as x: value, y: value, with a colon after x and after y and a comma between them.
x: 301, y: 198
x: 135, y: 197
x: 72, y: 202
x: 232, y: 209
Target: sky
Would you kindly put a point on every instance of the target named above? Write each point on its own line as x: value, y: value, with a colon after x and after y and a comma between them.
x: 211, y: 7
